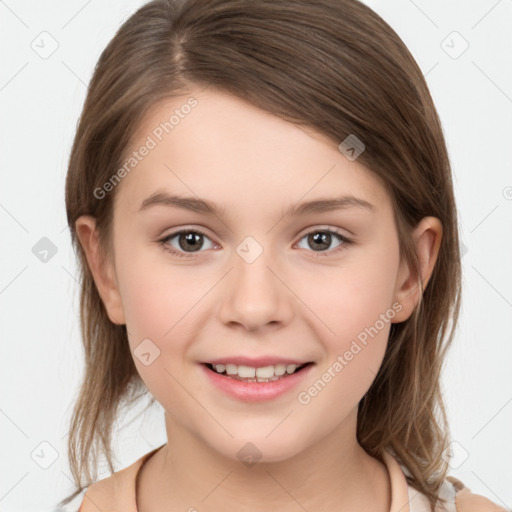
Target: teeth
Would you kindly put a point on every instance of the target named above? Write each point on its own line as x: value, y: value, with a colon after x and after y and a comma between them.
x: 280, y: 369
x: 291, y: 368
x: 262, y: 374
x: 231, y: 369
x: 246, y: 372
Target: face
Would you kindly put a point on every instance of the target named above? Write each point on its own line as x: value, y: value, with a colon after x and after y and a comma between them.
x: 248, y: 279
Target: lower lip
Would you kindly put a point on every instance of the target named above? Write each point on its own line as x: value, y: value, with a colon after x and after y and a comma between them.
x: 256, y: 391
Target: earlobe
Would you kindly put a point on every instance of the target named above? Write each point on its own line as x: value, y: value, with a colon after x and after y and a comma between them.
x: 427, y: 238
x: 101, y: 268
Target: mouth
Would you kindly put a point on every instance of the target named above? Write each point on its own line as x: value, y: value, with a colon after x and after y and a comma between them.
x: 269, y: 373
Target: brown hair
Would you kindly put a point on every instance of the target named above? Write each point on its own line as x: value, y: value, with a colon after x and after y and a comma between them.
x: 334, y: 66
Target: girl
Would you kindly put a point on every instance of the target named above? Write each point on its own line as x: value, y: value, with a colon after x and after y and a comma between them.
x: 260, y: 198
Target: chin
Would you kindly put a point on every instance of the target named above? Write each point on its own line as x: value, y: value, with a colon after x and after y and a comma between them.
x: 259, y: 449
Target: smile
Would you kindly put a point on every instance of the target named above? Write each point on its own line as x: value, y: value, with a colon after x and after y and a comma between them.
x: 269, y: 373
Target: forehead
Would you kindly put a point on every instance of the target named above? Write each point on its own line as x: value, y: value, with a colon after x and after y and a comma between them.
x: 213, y: 145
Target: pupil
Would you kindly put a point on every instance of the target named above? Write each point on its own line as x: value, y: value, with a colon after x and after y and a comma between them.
x: 321, y: 238
x: 193, y: 239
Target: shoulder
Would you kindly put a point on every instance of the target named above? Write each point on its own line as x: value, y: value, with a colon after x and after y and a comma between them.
x: 111, y: 493
x: 467, y: 501
x: 115, y: 493
x: 453, y: 495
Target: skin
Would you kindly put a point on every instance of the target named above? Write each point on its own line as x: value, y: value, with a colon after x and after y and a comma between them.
x: 295, y: 300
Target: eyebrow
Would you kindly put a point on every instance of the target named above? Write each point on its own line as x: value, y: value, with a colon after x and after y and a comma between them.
x: 208, y: 208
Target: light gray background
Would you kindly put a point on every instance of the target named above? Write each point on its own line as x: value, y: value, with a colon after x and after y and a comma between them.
x: 41, y: 355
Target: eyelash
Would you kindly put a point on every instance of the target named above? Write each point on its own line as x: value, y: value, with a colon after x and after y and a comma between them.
x: 345, y: 241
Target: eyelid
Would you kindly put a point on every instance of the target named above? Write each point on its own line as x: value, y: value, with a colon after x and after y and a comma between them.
x: 326, y: 227
x: 164, y: 240
x: 344, y: 239
x: 318, y: 228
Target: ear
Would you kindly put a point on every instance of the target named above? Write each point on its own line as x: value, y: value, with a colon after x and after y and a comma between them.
x: 101, y: 268
x: 427, y: 239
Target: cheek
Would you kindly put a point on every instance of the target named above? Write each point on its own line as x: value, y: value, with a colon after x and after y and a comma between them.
x: 158, y: 298
x: 158, y: 307
x: 354, y: 303
x: 353, y: 296
x: 161, y: 305
x: 358, y: 312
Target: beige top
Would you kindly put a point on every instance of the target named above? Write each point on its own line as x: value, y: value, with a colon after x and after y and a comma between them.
x: 117, y: 492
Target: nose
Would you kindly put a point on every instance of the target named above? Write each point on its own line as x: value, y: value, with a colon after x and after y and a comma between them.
x: 255, y: 292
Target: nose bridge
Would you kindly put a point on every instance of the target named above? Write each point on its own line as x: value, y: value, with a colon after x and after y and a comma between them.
x: 256, y: 295
x: 252, y: 274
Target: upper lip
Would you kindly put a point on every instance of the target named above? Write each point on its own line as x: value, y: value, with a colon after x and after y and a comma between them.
x: 255, y: 362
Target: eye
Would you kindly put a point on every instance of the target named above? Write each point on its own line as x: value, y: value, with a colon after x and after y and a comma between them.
x: 322, y: 239
x: 194, y: 239
x: 186, y: 239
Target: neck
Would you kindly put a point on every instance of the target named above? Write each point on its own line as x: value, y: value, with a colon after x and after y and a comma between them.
x: 334, y: 474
